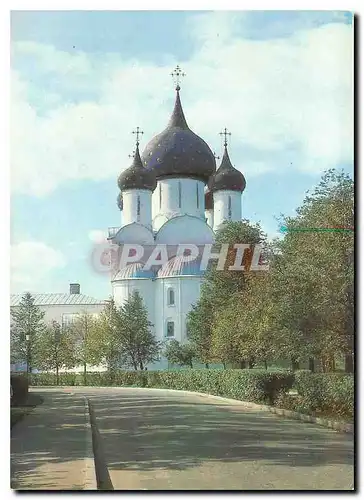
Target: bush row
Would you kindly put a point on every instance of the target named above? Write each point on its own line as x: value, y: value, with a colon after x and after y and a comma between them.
x: 19, y: 384
x: 330, y: 393
x: 246, y: 385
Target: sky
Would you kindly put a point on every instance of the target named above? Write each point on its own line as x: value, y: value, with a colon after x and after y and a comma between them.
x: 81, y: 81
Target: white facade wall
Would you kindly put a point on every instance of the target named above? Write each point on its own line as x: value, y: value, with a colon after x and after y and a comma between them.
x: 224, y: 209
x: 209, y: 216
x: 131, y: 212
x: 177, y: 196
x: 123, y: 289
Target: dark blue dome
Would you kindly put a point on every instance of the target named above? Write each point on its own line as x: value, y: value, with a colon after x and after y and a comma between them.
x: 227, y: 177
x: 137, y: 176
x: 179, y: 152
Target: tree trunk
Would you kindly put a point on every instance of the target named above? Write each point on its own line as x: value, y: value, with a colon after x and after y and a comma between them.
x: 349, y: 363
x: 57, y: 375
x: 224, y: 365
x: 207, y: 365
x: 84, y: 373
x: 251, y: 363
x: 242, y: 365
x: 141, y: 366
x: 311, y: 364
x: 265, y: 365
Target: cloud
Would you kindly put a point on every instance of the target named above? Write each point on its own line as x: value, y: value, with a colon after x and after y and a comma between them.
x: 31, y: 263
x: 287, y: 101
x: 97, y: 236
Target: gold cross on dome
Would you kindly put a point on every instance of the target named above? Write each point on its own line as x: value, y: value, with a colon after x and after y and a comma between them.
x: 137, y: 132
x: 225, y: 133
x: 176, y: 74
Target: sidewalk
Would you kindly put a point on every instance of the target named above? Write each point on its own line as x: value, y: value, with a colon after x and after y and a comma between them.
x: 51, y: 449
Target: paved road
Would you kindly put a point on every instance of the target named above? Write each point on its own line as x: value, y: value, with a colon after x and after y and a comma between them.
x: 157, y: 439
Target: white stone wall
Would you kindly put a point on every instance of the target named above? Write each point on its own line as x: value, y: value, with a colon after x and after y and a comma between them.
x: 130, y: 207
x: 167, y: 201
x: 221, y: 207
x: 209, y: 216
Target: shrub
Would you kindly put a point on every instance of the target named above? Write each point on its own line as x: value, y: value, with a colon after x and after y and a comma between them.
x: 330, y: 393
x: 260, y: 386
x: 20, y: 387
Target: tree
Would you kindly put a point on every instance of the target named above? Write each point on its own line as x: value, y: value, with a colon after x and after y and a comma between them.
x: 83, y: 333
x: 179, y: 354
x: 27, y: 325
x: 55, y: 349
x: 138, y: 345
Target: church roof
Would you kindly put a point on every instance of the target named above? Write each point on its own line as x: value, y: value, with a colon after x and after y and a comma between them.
x: 179, y: 152
x: 137, y: 176
x: 178, y: 267
x: 134, y: 270
x: 227, y: 177
x: 53, y: 299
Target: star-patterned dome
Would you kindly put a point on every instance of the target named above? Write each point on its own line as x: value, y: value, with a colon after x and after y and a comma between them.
x: 179, y: 152
x: 137, y: 176
x: 227, y: 177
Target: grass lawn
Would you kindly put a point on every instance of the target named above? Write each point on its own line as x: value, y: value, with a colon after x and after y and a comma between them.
x: 17, y: 413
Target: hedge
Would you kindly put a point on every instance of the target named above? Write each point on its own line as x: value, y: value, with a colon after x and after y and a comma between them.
x: 260, y: 386
x: 19, y: 384
x: 325, y: 392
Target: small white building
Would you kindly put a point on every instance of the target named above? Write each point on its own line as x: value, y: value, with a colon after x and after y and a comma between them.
x: 172, y: 194
x: 61, y: 307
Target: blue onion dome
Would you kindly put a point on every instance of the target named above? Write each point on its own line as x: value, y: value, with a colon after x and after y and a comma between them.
x: 119, y: 201
x: 134, y: 270
x: 177, y: 266
x: 137, y: 176
x: 179, y: 152
x: 227, y: 177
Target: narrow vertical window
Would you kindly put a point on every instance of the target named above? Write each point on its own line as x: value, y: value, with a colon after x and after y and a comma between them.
x: 138, y: 207
x: 170, y: 329
x: 198, y: 201
x: 160, y: 195
x: 229, y: 207
x: 179, y: 194
x: 171, y: 297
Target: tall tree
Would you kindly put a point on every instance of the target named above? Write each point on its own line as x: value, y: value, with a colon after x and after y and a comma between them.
x: 138, y: 345
x: 27, y: 325
x: 83, y: 333
x: 55, y: 349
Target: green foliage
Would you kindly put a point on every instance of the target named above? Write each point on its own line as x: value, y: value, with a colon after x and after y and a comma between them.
x: 179, y: 354
x: 19, y: 383
x: 259, y: 386
x: 27, y: 320
x: 55, y: 349
x: 325, y: 392
x: 138, y: 345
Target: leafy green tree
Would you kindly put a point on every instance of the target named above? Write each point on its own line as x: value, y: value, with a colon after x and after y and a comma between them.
x: 179, y: 354
x: 138, y: 345
x: 55, y: 349
x: 83, y: 334
x: 27, y: 323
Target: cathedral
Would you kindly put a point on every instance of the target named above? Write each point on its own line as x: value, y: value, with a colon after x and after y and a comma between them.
x: 173, y: 194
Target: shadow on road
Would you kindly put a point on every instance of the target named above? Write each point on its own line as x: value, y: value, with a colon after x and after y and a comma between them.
x: 153, y: 432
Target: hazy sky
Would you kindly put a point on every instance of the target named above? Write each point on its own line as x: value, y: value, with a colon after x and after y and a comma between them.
x: 281, y: 82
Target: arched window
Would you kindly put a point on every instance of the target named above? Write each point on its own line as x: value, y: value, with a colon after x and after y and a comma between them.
x: 229, y: 207
x: 170, y: 329
x: 138, y: 208
x: 198, y: 201
x: 170, y: 297
x: 179, y: 194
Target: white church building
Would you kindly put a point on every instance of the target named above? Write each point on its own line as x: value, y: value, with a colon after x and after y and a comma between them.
x: 172, y: 194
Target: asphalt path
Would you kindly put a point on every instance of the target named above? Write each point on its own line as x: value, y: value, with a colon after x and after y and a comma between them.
x: 168, y: 440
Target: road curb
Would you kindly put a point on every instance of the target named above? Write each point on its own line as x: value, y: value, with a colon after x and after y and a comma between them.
x: 90, y: 473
